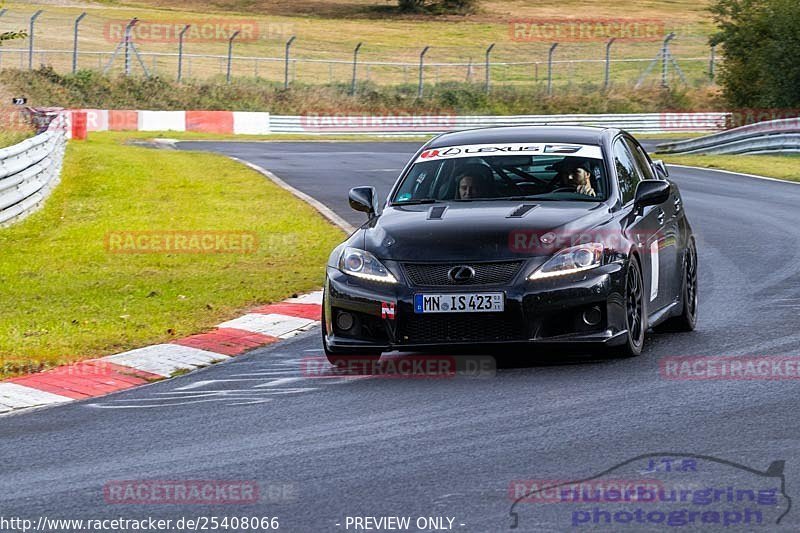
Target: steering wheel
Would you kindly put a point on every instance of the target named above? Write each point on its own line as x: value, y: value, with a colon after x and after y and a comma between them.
x: 564, y: 189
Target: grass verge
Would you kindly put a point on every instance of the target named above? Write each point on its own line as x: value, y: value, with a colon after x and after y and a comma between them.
x: 10, y: 138
x: 784, y: 167
x: 46, y: 87
x: 67, y: 295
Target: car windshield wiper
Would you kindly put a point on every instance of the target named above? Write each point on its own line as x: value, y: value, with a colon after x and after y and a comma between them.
x: 417, y: 201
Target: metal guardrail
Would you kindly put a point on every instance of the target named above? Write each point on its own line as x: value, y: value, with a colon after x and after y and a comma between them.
x: 400, y: 124
x: 29, y: 171
x: 769, y: 137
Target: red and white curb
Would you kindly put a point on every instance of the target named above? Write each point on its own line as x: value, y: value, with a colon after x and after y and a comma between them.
x: 228, y: 122
x: 97, y: 377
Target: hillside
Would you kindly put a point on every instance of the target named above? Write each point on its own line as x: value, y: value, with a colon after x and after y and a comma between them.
x: 678, y: 11
x: 327, y: 31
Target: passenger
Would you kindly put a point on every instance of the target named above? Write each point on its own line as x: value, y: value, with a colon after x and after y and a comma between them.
x: 474, y: 181
x: 574, y: 173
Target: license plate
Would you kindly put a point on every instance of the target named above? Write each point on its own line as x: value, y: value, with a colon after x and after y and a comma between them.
x: 485, y: 302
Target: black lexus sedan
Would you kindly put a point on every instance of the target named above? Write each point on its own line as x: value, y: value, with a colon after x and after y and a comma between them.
x: 515, y: 235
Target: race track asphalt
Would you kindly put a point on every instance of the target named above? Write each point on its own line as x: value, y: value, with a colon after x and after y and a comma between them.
x: 325, y: 448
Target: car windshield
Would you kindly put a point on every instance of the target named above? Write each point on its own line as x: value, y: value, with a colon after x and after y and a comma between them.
x: 505, y: 172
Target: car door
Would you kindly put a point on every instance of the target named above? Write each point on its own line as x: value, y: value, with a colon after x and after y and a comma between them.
x: 646, y: 229
x: 669, y: 232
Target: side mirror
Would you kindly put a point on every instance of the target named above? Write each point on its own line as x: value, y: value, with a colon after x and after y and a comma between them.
x: 651, y: 192
x: 363, y: 199
x: 660, y: 169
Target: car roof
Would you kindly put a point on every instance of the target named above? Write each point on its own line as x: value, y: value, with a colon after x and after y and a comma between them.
x: 525, y: 134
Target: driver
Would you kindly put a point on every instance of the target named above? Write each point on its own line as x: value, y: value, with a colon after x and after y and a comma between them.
x: 574, y: 173
x: 474, y: 181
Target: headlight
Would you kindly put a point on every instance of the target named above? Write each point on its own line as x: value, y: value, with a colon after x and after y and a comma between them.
x: 571, y: 260
x: 364, y: 265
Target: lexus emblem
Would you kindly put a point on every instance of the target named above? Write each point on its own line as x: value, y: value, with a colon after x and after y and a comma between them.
x: 461, y: 274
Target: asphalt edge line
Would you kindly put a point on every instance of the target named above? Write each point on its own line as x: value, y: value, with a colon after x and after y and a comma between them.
x: 756, y: 176
x: 324, y: 210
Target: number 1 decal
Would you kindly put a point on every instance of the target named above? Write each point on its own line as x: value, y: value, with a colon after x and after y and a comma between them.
x: 653, y: 270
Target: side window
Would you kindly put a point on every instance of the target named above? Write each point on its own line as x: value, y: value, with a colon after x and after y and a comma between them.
x: 627, y: 173
x: 420, y: 182
x: 641, y: 159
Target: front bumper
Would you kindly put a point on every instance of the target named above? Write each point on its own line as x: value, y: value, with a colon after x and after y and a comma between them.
x: 542, y: 311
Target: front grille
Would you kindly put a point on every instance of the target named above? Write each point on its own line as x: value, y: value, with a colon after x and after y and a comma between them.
x: 435, y: 328
x: 435, y: 274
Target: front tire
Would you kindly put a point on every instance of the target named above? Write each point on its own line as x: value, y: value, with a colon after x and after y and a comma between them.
x: 635, y: 311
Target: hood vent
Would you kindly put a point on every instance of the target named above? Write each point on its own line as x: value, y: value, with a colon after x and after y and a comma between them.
x: 436, y: 212
x: 522, y: 210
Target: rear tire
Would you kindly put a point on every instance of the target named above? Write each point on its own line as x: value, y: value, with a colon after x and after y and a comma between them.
x: 687, y: 320
x: 635, y: 311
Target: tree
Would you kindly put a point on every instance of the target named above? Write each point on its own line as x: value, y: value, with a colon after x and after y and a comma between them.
x: 11, y: 35
x: 760, y: 42
x: 438, y: 6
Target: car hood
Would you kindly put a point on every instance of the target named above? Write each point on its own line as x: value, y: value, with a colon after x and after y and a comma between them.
x: 476, y: 230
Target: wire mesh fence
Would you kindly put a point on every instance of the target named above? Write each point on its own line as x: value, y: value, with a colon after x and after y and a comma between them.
x: 238, y: 48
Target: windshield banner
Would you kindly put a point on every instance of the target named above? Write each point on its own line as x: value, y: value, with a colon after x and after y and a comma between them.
x: 483, y: 150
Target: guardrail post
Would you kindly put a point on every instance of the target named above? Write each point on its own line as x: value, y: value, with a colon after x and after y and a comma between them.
x: 665, y: 60
x: 421, y: 68
x: 711, y: 62
x: 75, y: 42
x: 608, y: 62
x: 550, y: 68
x: 31, y: 26
x: 230, y: 56
x: 488, y: 68
x: 355, y: 65
x: 180, y: 51
x: 286, y: 63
